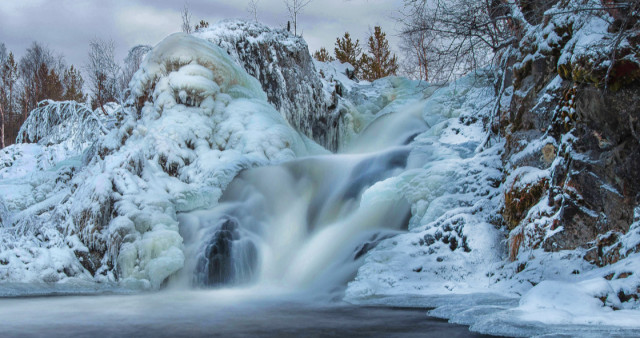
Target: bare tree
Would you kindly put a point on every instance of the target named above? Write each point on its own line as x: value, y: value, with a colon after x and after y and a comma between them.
x: 186, y: 19
x: 1, y: 127
x: 103, y: 72
x: 131, y: 64
x: 34, y: 68
x: 10, y: 119
x: 3, y: 61
x: 294, y: 8
x: 252, y: 8
x: 453, y: 37
x: 415, y: 47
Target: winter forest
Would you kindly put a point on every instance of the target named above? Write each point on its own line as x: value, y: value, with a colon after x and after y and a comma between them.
x: 307, y: 168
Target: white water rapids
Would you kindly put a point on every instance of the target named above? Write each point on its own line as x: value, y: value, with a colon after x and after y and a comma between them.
x: 301, y: 225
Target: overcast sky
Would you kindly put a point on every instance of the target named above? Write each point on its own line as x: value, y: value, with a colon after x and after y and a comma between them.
x: 67, y: 26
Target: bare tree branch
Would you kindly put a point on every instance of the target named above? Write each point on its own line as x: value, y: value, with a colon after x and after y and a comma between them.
x: 186, y: 19
x: 294, y: 8
x: 252, y: 8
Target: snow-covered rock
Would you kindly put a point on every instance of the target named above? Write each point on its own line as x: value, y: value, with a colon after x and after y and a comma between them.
x: 285, y: 69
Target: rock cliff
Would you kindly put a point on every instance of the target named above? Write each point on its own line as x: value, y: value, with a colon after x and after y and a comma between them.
x: 572, y: 152
x: 285, y: 69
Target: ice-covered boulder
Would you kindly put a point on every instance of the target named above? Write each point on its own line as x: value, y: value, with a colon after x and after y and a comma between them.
x: 285, y: 69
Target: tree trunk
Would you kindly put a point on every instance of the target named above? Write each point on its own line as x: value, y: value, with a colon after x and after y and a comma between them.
x: 1, y: 128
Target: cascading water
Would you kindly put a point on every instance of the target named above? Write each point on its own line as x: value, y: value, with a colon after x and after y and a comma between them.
x: 301, y: 225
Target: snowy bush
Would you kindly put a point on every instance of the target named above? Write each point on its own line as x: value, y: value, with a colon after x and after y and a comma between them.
x: 67, y: 122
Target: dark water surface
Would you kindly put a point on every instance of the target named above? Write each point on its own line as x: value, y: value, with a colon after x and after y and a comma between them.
x: 212, y: 314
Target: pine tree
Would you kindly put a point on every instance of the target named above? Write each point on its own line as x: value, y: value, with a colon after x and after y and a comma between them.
x: 73, y: 83
x: 202, y: 25
x: 348, y: 51
x: 323, y: 55
x: 49, y: 84
x: 379, y: 62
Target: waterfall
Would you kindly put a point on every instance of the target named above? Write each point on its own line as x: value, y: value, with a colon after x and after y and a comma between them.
x: 301, y: 225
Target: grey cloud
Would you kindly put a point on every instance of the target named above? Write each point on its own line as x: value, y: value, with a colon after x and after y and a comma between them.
x: 67, y: 26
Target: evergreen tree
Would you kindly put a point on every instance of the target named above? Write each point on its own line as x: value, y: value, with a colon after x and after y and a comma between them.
x: 202, y: 25
x: 323, y: 55
x: 379, y: 62
x: 348, y: 51
x: 52, y: 85
x: 48, y: 83
x: 73, y: 83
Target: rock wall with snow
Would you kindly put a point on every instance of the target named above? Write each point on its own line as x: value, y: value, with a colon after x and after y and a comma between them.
x: 285, y: 69
x: 572, y: 152
x: 573, y: 147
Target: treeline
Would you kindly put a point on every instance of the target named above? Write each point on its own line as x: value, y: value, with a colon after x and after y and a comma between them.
x: 376, y: 62
x: 37, y: 76
x: 41, y: 74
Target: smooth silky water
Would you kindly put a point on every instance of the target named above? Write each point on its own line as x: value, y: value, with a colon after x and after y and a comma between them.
x: 273, y: 258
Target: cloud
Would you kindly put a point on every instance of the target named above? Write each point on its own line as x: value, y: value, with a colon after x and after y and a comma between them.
x: 67, y: 26
x: 143, y: 24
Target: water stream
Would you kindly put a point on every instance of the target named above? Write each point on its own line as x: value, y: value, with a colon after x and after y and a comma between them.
x: 301, y: 225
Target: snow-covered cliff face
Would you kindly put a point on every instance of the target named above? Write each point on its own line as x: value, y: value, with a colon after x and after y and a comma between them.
x: 573, y: 151
x: 285, y: 69
x: 200, y: 119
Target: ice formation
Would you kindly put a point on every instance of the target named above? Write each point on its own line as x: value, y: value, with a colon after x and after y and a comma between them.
x: 200, y: 119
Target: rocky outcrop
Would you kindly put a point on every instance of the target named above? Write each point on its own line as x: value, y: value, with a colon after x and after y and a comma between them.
x: 573, y: 124
x: 284, y: 67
